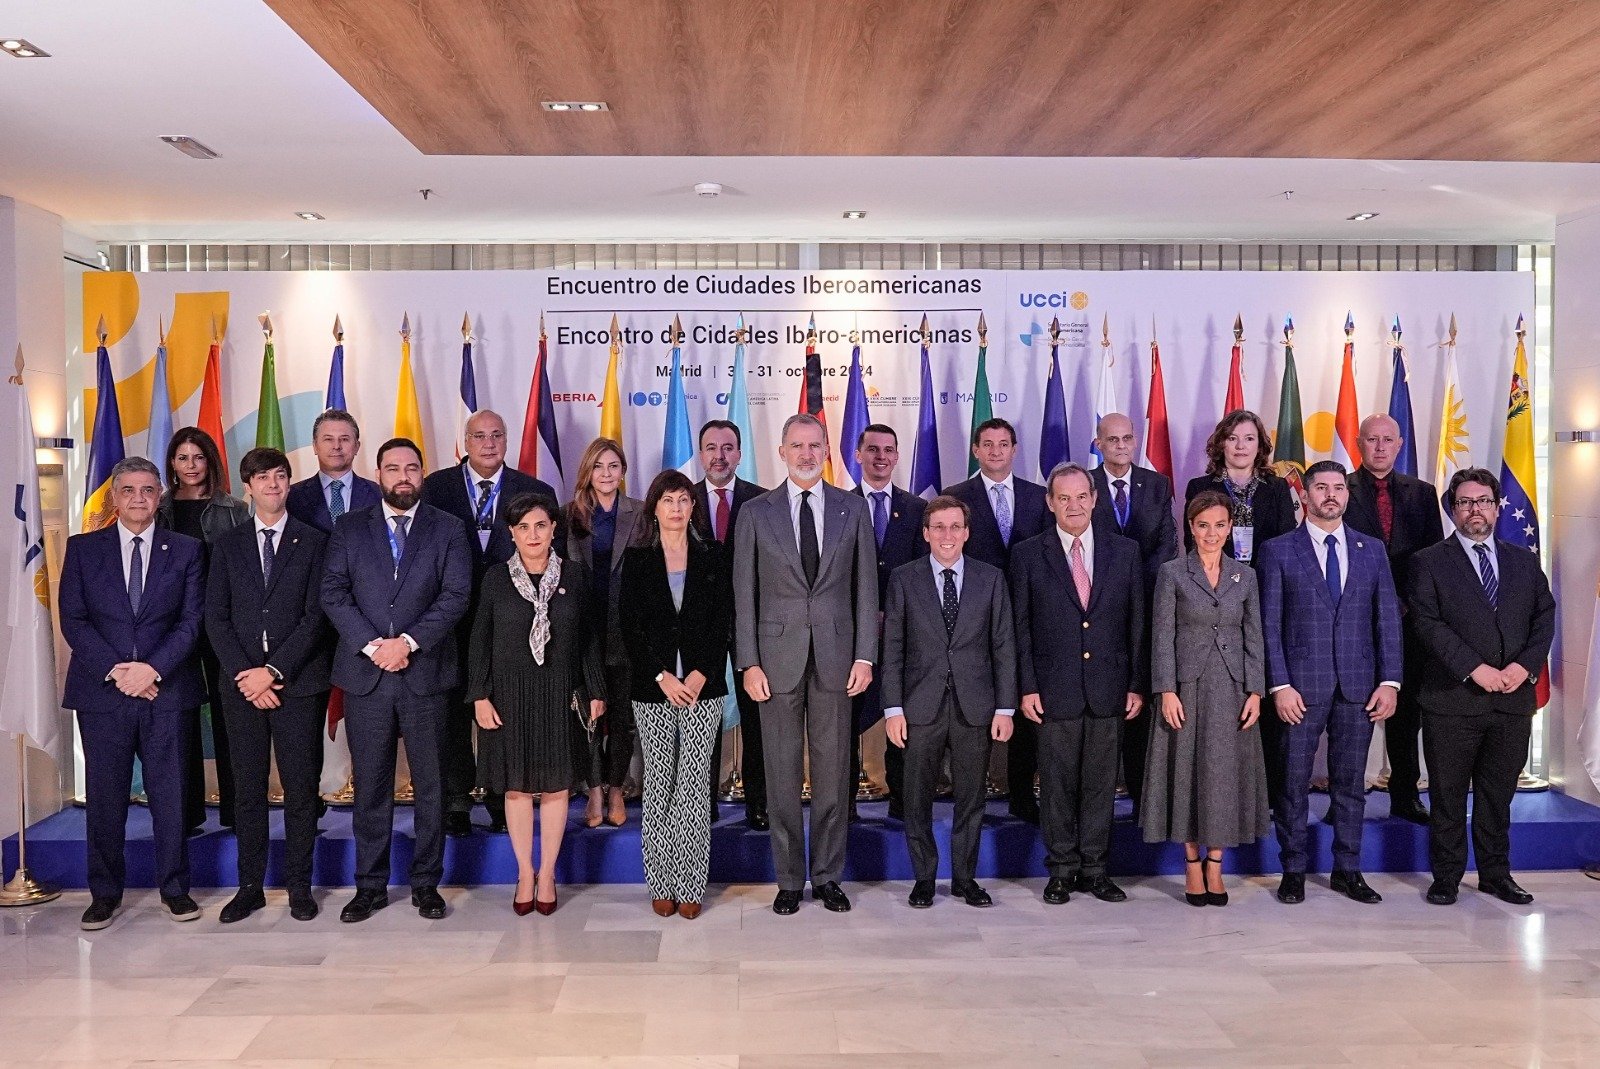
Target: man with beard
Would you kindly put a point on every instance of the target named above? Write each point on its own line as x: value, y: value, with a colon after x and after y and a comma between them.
x: 398, y: 579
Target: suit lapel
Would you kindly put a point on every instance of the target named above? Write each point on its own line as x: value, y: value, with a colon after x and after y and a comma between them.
x: 627, y: 519
x: 1197, y: 573
x: 1469, y: 571
x: 1057, y: 556
x: 833, y: 513
x: 286, y: 550
x: 973, y: 592
x: 156, y: 542
x: 985, y: 509
x: 782, y: 527
x: 1102, y: 569
x: 1308, y: 557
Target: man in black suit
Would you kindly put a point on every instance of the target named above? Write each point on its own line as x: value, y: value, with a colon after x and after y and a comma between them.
x: 1134, y: 502
x: 475, y: 492
x: 949, y: 683
x: 1482, y: 609
x: 1005, y: 511
x: 1078, y: 596
x: 897, y: 528
x: 336, y: 489
x: 264, y: 619
x: 1404, y: 513
x: 398, y: 579
x: 717, y: 501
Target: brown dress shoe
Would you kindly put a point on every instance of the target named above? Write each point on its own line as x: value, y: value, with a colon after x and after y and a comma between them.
x: 688, y: 910
x: 664, y: 907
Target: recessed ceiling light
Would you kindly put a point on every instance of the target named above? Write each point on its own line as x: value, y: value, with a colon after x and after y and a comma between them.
x: 1361, y: 217
x: 855, y: 215
x: 574, y: 105
x: 190, y: 147
x: 310, y: 217
x: 16, y: 46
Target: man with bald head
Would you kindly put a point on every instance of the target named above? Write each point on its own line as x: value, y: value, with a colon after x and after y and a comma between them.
x: 475, y: 491
x: 1134, y: 502
x: 1404, y: 512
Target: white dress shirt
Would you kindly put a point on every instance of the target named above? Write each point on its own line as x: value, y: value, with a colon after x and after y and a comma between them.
x: 960, y: 568
x: 126, y: 536
x: 1319, y: 546
x: 347, y: 480
x: 794, y: 509
x: 277, y: 537
x: 473, y: 490
x: 1008, y: 488
x: 1467, y: 546
x: 1087, y: 538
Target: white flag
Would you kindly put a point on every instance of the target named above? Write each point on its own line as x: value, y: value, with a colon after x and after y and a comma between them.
x: 1589, y: 730
x: 28, y: 702
x: 1455, y: 436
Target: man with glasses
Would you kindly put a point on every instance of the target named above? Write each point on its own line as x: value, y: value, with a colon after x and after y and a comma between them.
x: 1482, y: 609
x: 475, y: 491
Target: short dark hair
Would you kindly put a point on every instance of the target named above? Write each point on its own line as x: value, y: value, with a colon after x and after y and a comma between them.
x: 994, y: 424
x: 877, y: 428
x: 336, y: 415
x: 1481, y: 476
x: 1204, y: 501
x: 1323, y: 467
x: 943, y: 503
x: 208, y: 449
x: 262, y: 459
x: 663, y: 484
x: 1063, y: 469
x: 722, y: 425
x: 525, y: 502
x: 398, y: 443
x: 132, y: 465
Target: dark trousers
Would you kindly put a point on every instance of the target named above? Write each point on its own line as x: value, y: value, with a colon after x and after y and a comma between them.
x: 110, y: 742
x: 1272, y: 751
x: 461, y: 765
x: 894, y: 766
x: 611, y: 745
x: 752, y: 762
x: 1135, y: 741
x: 1400, y: 730
x: 1349, y: 735
x: 1022, y: 763
x: 1484, y: 753
x: 194, y: 744
x: 293, y: 733
x: 812, y: 720
x: 374, y: 724
x: 924, y: 752
x: 1077, y: 790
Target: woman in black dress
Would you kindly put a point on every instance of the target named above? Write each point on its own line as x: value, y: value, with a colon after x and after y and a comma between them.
x: 535, y: 678
x: 1239, y: 466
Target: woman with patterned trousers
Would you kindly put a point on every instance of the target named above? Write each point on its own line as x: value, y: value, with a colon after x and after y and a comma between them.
x: 674, y: 607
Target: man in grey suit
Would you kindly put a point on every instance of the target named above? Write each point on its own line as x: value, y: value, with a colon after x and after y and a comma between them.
x: 806, y: 628
x: 949, y: 681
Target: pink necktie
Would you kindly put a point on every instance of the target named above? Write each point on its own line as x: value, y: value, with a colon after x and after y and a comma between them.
x: 1080, y: 574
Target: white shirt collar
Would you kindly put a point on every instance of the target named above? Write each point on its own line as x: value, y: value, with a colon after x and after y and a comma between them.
x: 474, y: 478
x: 1320, y: 537
x: 1468, y: 544
x: 125, y: 537
x: 795, y: 490
x: 868, y: 489
x: 1009, y: 482
x: 959, y: 567
x: 390, y: 512
x: 348, y: 478
x: 1087, y: 538
x: 276, y: 528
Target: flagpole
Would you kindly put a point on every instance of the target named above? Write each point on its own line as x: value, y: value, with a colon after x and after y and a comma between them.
x: 22, y: 889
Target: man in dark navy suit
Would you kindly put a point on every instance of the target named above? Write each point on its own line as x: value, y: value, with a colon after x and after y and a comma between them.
x: 1331, y: 620
x: 398, y: 580
x: 130, y: 603
x: 475, y: 492
x: 335, y: 489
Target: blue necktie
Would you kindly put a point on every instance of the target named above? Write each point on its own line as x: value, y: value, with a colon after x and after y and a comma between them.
x: 1491, y: 585
x: 1333, y: 568
x: 880, y: 515
x: 136, y: 576
x: 1002, y: 514
x: 1120, y: 501
x: 267, y: 556
x: 399, y: 546
x: 336, y: 503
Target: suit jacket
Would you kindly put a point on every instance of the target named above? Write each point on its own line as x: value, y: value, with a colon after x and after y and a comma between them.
x: 1417, y: 520
x: 367, y: 598
x: 1460, y: 629
x: 1196, y: 626
x: 779, y: 621
x: 979, y: 657
x: 1149, y: 517
x: 903, y: 540
x: 240, y: 607
x: 1315, y: 647
x: 633, y: 528
x: 1080, y: 659
x: 656, y: 632
x: 743, y: 492
x: 1273, y: 504
x: 100, y: 626
x: 223, y: 512
x: 308, y: 505
x: 1029, y: 517
x: 446, y: 490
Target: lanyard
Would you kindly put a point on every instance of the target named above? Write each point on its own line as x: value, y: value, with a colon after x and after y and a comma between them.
x: 394, y: 546
x: 483, y: 516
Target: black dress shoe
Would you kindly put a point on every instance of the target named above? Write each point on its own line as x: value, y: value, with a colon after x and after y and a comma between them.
x: 1354, y: 887
x: 1506, y: 890
x: 970, y: 893
x: 458, y: 825
x: 832, y: 896
x: 246, y: 902
x: 1101, y: 887
x: 181, y: 907
x: 921, y: 896
x: 497, y: 824
x: 1414, y: 811
x: 363, y: 905
x: 429, y: 902
x: 1442, y: 892
x: 1027, y: 812
x: 756, y: 820
x: 302, y: 907
x: 1058, y: 890
x: 786, y: 902
x: 1292, y: 888
x: 100, y: 914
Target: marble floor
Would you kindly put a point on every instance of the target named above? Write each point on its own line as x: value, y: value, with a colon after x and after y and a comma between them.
x: 1150, y: 982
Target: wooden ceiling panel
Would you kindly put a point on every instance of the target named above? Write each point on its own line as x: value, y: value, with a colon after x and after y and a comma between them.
x: 1344, y: 79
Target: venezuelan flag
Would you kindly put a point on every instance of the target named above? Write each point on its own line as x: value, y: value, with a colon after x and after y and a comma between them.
x: 1519, y: 503
x: 105, y: 448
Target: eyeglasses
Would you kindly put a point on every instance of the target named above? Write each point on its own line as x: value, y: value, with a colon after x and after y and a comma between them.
x: 487, y: 436
x: 1468, y: 504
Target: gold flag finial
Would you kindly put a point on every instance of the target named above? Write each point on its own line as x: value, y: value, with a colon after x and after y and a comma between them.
x: 927, y: 335
x: 405, y: 326
x: 1522, y: 328
x: 1152, y: 331
x: 216, y: 338
x: 542, y: 335
x: 338, y: 330
x: 16, y: 380
x: 741, y: 334
x: 161, y: 329
x: 100, y: 330
x: 265, y: 319
x: 1055, y: 330
x: 1452, y: 328
x: 1238, y: 329
x: 677, y: 330
x: 983, y: 331
x: 466, y: 326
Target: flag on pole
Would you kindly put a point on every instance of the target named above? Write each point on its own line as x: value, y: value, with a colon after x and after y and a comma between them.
x: 28, y: 704
x: 1053, y: 447
x: 1455, y: 436
x: 1346, y: 416
x: 739, y: 408
x: 1105, y: 401
x: 335, y: 394
x: 156, y: 441
x: 1157, y: 435
x: 1235, y: 397
x: 210, y: 419
x: 856, y: 416
x: 1519, y: 501
x: 925, y: 476
x: 105, y: 448
x: 541, y: 445
x: 611, y: 395
x: 469, y: 385
x: 677, y: 442
x: 269, y: 418
x: 1400, y: 405
x: 982, y: 402
x: 811, y: 393
x: 407, y: 412
x: 1289, y: 443
x: 1589, y: 729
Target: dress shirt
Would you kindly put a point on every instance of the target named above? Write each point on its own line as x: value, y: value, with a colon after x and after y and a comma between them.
x: 960, y: 568
x: 1087, y: 538
x: 389, y: 513
x: 794, y: 489
x: 1009, y: 482
x: 348, y: 479
x: 473, y: 479
x: 277, y: 537
x: 126, y: 536
x: 1341, y: 547
x: 1467, y: 547
x: 711, y: 504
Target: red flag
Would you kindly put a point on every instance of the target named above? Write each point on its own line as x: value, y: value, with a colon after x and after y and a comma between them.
x: 811, y: 393
x: 1346, y: 416
x: 1235, y: 399
x: 211, y: 408
x: 1157, y: 439
x: 335, y: 712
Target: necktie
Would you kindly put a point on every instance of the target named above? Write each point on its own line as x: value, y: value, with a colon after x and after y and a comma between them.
x: 336, y: 503
x: 1120, y: 501
x: 267, y: 555
x: 950, y: 602
x: 1331, y: 569
x: 399, y: 547
x: 1002, y: 513
x: 485, y: 488
x: 1080, y: 574
x: 1385, y: 510
x: 724, y: 515
x: 880, y: 515
x: 1491, y: 585
x: 810, y: 557
x: 136, y: 576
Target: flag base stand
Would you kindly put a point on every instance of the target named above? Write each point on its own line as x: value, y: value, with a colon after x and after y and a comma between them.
x: 1531, y: 784
x: 22, y: 889
x: 1591, y: 870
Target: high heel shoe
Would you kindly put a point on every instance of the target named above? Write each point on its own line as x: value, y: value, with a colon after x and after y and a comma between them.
x: 1190, y: 897
x: 521, y: 909
x: 1214, y: 898
x: 618, y: 805
x: 663, y: 907
x: 593, y: 813
x: 544, y: 909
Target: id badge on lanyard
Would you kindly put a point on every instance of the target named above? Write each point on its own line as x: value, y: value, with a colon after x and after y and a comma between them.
x: 1244, y: 543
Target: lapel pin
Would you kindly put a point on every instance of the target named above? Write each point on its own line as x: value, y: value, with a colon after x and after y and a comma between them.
x: 561, y: 590
x: 163, y: 547
x: 1234, y: 577
x: 1358, y: 545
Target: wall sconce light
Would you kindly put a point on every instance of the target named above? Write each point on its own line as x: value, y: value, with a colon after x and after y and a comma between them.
x: 1577, y: 436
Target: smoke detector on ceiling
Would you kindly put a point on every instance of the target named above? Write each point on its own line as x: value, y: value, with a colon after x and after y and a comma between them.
x: 708, y: 189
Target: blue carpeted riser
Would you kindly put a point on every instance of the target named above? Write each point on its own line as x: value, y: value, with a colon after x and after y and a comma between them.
x: 1551, y: 831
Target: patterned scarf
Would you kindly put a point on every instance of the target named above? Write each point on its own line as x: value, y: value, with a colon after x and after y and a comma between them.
x: 1242, y: 500
x: 539, y: 635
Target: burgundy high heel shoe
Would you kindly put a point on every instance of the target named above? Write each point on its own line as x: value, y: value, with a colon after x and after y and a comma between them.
x: 521, y: 909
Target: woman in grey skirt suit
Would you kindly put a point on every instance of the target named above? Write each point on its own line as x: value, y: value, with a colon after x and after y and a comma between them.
x: 1205, y: 780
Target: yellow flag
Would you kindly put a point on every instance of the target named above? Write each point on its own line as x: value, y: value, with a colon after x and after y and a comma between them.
x: 407, y: 413
x: 611, y: 397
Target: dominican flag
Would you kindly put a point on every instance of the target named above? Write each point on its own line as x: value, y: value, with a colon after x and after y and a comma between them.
x: 541, y: 445
x: 925, y: 477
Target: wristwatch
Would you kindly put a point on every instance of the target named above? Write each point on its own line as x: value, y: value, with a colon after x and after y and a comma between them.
x: 661, y: 675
